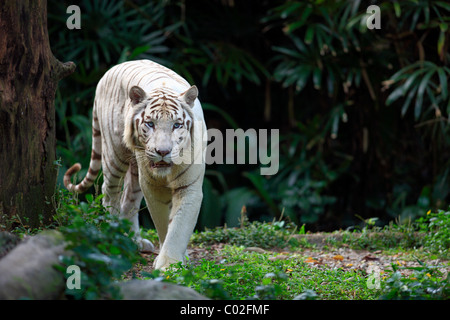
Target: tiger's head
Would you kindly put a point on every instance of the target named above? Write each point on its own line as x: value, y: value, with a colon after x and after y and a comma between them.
x: 158, y: 127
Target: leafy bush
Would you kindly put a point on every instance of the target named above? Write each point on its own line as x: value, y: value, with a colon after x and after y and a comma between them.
x: 250, y: 275
x: 430, y: 233
x: 102, y: 247
x: 254, y: 234
x: 436, y: 226
x: 363, y: 113
x: 426, y: 283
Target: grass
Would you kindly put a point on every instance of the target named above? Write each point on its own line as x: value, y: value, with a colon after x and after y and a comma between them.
x: 235, y: 272
x: 253, y: 275
x: 265, y: 260
x: 256, y: 234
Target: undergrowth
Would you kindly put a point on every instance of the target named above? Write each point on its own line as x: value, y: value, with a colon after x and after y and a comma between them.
x: 100, y: 244
x: 255, y: 234
x: 244, y: 275
x: 103, y: 247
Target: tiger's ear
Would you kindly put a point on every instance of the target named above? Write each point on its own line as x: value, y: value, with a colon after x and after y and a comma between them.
x: 190, y: 95
x: 137, y: 94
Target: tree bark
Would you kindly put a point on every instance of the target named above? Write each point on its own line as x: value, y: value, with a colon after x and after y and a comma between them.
x: 29, y: 74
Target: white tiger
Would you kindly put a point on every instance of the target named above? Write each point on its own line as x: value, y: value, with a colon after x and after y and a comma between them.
x: 146, y: 131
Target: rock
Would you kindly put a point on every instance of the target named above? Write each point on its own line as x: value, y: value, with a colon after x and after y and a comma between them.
x: 156, y: 290
x: 307, y: 295
x: 27, y: 270
x: 255, y: 249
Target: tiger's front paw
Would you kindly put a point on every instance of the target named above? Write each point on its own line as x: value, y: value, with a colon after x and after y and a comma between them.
x: 163, y: 261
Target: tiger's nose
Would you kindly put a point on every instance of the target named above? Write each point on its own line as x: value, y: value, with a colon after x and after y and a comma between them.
x: 163, y: 152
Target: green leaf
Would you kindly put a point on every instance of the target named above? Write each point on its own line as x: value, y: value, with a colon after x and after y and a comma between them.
x: 207, y: 74
x: 397, y: 9
x: 443, y: 82
x: 287, y: 52
x: 299, y: 23
x: 415, y: 18
x: 448, y: 107
x: 441, y: 39
x: 443, y: 4
x: 236, y: 198
x: 299, y: 44
x: 137, y: 51
x: 397, y: 93
x: 317, y: 77
x: 335, y: 125
x: 330, y: 82
x: 402, y: 73
x: 210, y: 214
x: 309, y: 35
x: 259, y: 182
x: 291, y: 6
x: 89, y: 198
x: 419, y: 98
x: 302, y: 78
x: 412, y: 79
x: 224, y: 114
x: 408, y: 100
x: 114, y: 250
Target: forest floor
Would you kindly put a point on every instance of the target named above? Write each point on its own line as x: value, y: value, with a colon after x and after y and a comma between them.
x: 336, y: 270
x: 319, y: 256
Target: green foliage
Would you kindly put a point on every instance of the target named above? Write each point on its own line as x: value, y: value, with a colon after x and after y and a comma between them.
x: 416, y: 81
x: 425, y: 283
x: 201, y: 278
x: 270, y: 288
x: 363, y: 113
x: 436, y: 226
x: 112, y: 32
x: 101, y: 245
x: 330, y: 28
x: 429, y: 233
x: 237, y: 273
x: 301, y: 188
x: 330, y: 49
x: 104, y: 252
x: 254, y: 234
x: 224, y: 62
x: 249, y: 275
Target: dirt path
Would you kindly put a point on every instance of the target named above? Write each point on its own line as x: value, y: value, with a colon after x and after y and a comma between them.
x: 332, y: 258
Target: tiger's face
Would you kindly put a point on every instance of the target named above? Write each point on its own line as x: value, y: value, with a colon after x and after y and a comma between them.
x: 161, y: 126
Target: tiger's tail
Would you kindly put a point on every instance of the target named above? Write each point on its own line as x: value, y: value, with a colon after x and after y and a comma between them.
x: 94, y: 165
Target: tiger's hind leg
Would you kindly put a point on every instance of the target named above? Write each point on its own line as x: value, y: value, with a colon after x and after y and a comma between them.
x: 130, y: 204
x: 113, y: 177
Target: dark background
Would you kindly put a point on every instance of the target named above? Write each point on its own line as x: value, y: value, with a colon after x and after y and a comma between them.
x: 353, y: 144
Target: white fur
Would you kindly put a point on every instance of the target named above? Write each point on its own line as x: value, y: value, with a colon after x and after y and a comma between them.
x: 174, y: 194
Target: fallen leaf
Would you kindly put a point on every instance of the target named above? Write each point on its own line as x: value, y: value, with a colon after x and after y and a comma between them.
x: 312, y: 260
x: 338, y: 257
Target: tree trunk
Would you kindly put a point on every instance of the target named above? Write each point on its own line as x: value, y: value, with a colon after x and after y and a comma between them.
x: 29, y: 74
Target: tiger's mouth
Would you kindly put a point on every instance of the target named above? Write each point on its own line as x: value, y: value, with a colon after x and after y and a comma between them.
x: 160, y: 164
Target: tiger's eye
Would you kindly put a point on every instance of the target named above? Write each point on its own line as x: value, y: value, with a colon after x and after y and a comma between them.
x: 176, y: 125
x: 150, y: 124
